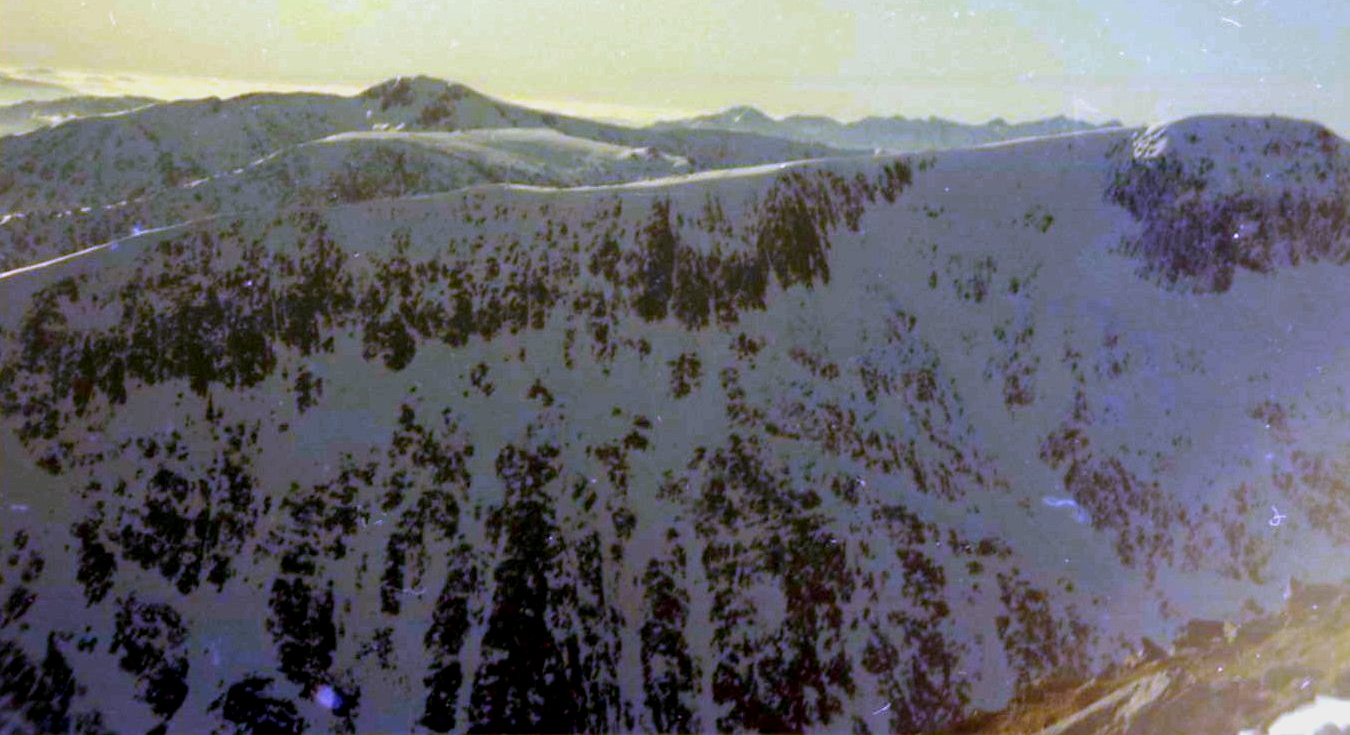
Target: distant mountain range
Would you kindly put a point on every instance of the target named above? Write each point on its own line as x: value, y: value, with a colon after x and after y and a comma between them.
x: 888, y: 133
x: 29, y: 115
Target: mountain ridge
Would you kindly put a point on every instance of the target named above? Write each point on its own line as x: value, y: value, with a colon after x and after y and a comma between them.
x: 896, y: 133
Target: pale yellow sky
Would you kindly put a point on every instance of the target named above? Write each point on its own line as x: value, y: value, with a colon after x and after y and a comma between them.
x: 1138, y: 60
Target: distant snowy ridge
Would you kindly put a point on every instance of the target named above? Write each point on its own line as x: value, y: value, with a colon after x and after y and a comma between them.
x: 887, y: 133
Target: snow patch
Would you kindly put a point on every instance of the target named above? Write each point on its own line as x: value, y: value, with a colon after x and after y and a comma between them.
x: 327, y: 697
x: 1312, y: 717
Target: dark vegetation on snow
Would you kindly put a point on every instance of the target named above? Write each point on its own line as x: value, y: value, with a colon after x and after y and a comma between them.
x: 1196, y: 232
x: 818, y: 587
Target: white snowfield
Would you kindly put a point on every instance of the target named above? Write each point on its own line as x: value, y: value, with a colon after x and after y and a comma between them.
x: 544, y: 145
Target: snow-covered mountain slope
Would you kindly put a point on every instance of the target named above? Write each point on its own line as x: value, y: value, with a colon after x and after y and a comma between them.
x: 347, y: 167
x: 100, y: 161
x: 351, y: 167
x: 1219, y: 194
x: 32, y: 115
x: 856, y: 444
x: 897, y: 133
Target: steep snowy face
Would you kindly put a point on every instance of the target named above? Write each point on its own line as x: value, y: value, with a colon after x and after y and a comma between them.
x: 853, y: 444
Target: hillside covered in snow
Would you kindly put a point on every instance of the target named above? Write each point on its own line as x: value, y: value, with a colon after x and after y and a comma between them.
x: 866, y: 443
x: 96, y: 178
